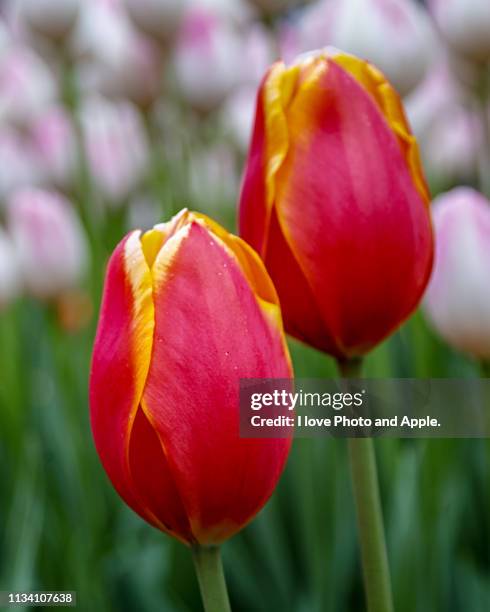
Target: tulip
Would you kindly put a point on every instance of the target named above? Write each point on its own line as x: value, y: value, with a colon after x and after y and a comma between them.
x: 465, y: 25
x: 448, y: 132
x: 207, y: 55
x: 159, y: 19
x: 53, y: 19
x: 49, y: 240
x: 187, y: 311
x: 103, y: 34
x: 54, y: 144
x: 27, y: 87
x: 457, y: 302
x: 9, y: 274
x: 238, y: 115
x: 258, y: 53
x: 335, y: 202
x: 395, y: 35
x: 116, y: 146
x: 19, y: 164
x: 135, y: 75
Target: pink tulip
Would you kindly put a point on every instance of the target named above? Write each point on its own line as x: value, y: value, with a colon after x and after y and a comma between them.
x: 137, y: 74
x: 19, y: 164
x: 257, y: 54
x: 458, y: 298
x: 49, y: 240
x: 208, y: 59
x: 449, y: 133
x: 103, y: 33
x: 395, y: 35
x: 54, y: 143
x: 465, y: 25
x: 26, y: 85
x: 116, y: 146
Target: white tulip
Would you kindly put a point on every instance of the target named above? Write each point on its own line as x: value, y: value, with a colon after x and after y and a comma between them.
x: 457, y: 301
x: 116, y: 146
x: 208, y: 59
x: 27, y: 86
x: 50, y: 242
x: 465, y: 25
x: 395, y: 35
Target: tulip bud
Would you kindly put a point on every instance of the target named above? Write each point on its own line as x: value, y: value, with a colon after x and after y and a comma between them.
x: 258, y: 53
x: 335, y: 202
x: 53, y: 19
x: 9, y: 274
x: 207, y: 56
x: 27, y: 87
x: 116, y: 146
x: 54, y: 143
x: 238, y: 115
x: 160, y: 19
x: 395, y: 35
x: 103, y: 33
x: 465, y: 25
x: 448, y: 132
x: 137, y: 74
x: 49, y: 240
x: 457, y: 301
x: 19, y: 164
x: 188, y: 310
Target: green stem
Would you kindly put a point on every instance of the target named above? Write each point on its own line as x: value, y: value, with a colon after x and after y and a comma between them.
x: 369, y: 515
x: 209, y: 569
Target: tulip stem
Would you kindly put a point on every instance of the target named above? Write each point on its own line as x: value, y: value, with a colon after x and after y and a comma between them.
x: 369, y: 515
x: 211, y: 577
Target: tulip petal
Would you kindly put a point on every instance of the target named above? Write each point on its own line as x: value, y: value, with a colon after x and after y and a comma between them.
x: 266, y: 155
x: 390, y: 105
x: 153, y: 482
x: 344, y: 158
x: 120, y: 362
x: 209, y: 332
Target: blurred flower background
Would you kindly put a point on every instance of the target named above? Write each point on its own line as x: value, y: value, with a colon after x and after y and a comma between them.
x: 115, y: 114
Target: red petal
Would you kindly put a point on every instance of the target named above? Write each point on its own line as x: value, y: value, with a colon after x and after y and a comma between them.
x: 210, y: 331
x: 120, y: 362
x: 350, y: 212
x: 153, y: 482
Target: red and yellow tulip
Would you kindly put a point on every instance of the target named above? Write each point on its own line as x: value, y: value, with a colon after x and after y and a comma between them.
x: 334, y: 200
x: 188, y: 310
